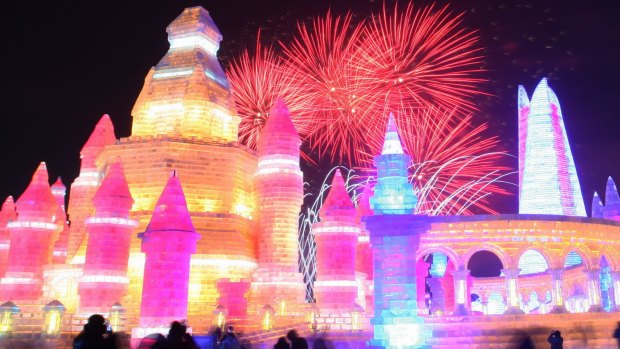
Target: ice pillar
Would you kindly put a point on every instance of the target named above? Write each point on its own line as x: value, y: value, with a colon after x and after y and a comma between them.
x: 168, y: 243
x: 461, y: 296
x: 557, y: 294
x: 32, y: 236
x: 279, y: 185
x: 594, y: 289
x: 335, y: 286
x: 104, y: 281
x: 512, y: 291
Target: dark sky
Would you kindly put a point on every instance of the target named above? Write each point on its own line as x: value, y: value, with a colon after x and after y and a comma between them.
x: 65, y: 63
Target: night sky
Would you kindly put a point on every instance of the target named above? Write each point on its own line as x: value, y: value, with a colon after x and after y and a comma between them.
x: 64, y: 64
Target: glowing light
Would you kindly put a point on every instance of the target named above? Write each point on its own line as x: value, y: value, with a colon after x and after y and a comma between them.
x: 404, y: 335
x: 105, y: 279
x: 335, y: 283
x: 194, y: 41
x: 440, y: 263
x: 172, y: 73
x: 53, y: 316
x: 112, y: 221
x: 35, y: 225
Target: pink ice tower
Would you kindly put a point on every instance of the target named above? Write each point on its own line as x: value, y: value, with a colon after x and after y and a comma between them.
x: 7, y: 214
x: 168, y: 243
x: 336, y: 241
x: 32, y: 236
x: 548, y: 182
x: 104, y: 281
x: 279, y: 185
x: 59, y: 253
x: 85, y: 185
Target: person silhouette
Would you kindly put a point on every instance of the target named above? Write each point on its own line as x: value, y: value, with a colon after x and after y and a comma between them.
x: 556, y: 340
x: 282, y: 344
x: 95, y: 335
x: 617, y: 334
x: 297, y: 342
x: 178, y: 338
x: 230, y: 341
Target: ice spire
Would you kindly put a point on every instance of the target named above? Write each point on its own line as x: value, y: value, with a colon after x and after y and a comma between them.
x: 548, y: 178
x: 393, y: 193
x: 612, y: 201
x: 392, y: 143
x: 597, y: 206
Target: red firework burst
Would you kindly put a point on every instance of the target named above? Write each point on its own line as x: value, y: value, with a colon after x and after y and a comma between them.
x: 341, y: 79
x: 256, y: 81
x: 419, y: 59
x: 319, y: 69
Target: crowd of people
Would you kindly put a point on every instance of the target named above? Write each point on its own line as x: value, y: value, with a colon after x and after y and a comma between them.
x: 97, y: 334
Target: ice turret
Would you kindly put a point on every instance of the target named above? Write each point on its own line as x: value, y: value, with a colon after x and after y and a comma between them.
x: 279, y: 185
x: 104, y: 280
x: 7, y: 214
x: 32, y: 236
x: 168, y: 243
x: 85, y: 185
x: 186, y: 95
x: 336, y: 286
x: 59, y: 254
x: 393, y: 192
x: 548, y: 178
x: 612, y: 201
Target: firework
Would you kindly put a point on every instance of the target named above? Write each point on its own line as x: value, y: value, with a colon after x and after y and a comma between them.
x: 454, y: 166
x: 256, y: 81
x: 341, y: 78
x: 317, y: 65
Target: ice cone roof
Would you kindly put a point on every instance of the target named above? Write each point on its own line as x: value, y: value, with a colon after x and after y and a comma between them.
x: 37, y: 199
x: 102, y: 135
x: 338, y: 202
x: 8, y: 211
x: 114, y: 186
x: 279, y: 121
x: 171, y: 213
x: 392, y: 144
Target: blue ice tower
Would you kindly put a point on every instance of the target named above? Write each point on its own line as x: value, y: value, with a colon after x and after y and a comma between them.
x: 395, y: 236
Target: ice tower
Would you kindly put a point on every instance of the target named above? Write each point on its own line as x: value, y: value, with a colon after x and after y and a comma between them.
x: 611, y: 209
x: 279, y: 185
x: 32, y: 236
x: 104, y: 280
x: 336, y: 286
x: 548, y: 182
x: 185, y: 119
x: 394, y: 236
x: 85, y: 185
